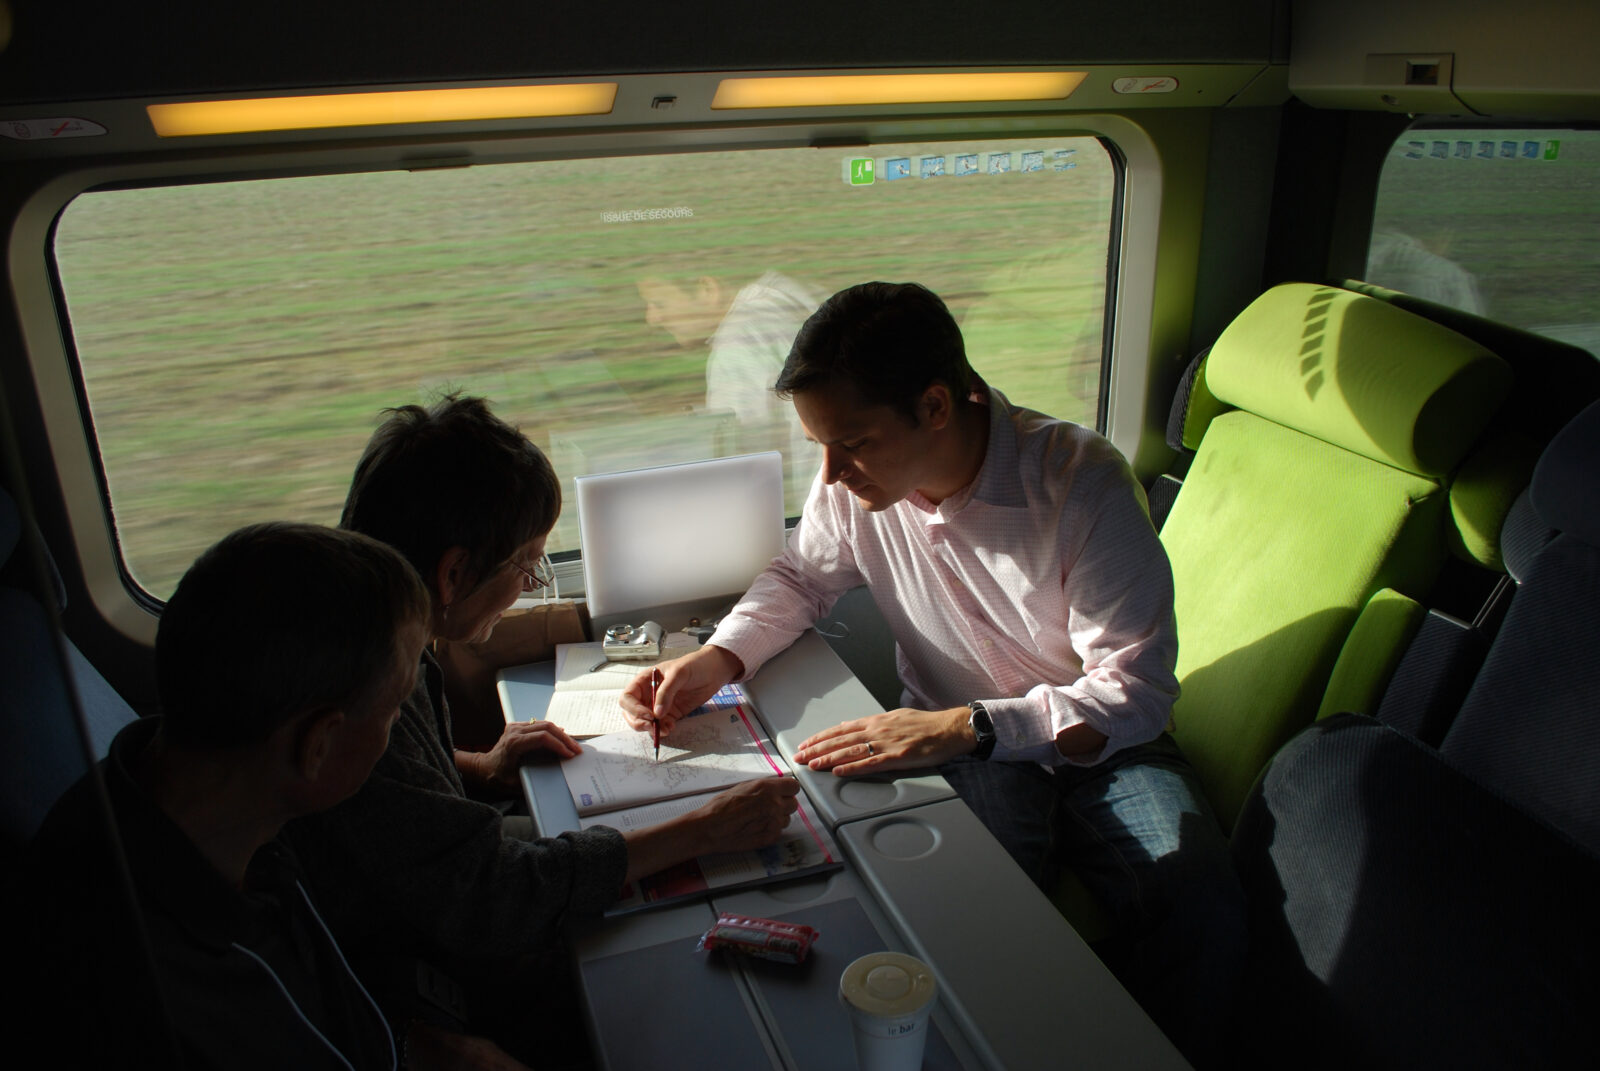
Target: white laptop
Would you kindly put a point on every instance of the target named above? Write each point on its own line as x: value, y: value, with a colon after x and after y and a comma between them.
x: 677, y: 541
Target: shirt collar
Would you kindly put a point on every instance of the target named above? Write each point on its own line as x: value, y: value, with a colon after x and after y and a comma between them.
x: 996, y: 483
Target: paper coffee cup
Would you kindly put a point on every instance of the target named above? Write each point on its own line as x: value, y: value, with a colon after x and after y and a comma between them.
x: 889, y: 997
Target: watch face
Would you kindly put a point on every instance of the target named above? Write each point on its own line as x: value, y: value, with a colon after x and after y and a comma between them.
x: 982, y: 724
x: 983, y: 729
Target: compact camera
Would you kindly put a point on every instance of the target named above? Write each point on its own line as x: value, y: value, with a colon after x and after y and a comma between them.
x: 632, y: 641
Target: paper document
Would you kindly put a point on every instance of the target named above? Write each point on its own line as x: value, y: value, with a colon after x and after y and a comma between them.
x: 717, y: 746
x: 588, y: 685
x: 583, y: 713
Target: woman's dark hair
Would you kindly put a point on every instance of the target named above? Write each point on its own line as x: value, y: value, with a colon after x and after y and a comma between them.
x: 889, y: 341
x: 452, y: 475
x: 277, y: 620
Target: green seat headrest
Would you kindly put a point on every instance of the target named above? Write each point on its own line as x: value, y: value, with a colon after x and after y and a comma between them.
x: 1360, y: 374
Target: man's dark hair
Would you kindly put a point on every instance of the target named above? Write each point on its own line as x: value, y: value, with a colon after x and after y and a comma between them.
x: 889, y: 341
x: 452, y: 475
x: 277, y: 620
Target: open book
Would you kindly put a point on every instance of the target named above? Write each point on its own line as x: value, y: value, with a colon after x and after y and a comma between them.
x: 714, y: 747
x: 616, y: 781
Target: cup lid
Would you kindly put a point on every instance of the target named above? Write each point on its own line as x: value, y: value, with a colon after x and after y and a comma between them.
x: 888, y: 984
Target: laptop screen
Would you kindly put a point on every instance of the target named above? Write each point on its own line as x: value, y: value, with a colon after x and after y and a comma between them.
x: 690, y: 533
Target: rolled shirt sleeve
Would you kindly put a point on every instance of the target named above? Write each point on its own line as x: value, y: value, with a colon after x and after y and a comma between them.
x: 797, y: 588
x: 1041, y: 589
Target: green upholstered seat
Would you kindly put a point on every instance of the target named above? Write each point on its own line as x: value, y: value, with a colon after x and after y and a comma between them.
x: 1322, y: 480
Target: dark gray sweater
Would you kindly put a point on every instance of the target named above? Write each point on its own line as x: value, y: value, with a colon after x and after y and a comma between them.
x: 409, y: 864
x: 249, y: 978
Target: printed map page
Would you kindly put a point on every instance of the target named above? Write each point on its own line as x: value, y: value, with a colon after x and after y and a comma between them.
x: 717, y: 746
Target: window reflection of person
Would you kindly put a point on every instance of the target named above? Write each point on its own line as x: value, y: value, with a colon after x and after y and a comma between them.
x: 1402, y: 262
x: 747, y: 331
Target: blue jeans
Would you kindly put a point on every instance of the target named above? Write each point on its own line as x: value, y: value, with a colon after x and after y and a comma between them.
x: 1138, y: 832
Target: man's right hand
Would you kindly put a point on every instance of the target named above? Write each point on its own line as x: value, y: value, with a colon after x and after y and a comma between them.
x: 686, y: 683
x: 747, y: 816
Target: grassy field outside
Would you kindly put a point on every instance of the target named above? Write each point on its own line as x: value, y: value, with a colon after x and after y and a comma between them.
x: 239, y: 340
x: 1523, y: 230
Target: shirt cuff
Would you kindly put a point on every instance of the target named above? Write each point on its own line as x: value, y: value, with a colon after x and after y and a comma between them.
x: 1020, y: 734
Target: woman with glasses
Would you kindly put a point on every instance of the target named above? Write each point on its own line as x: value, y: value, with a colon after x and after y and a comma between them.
x: 414, y: 868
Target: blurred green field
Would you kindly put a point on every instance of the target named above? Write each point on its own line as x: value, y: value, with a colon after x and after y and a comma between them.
x: 239, y: 340
x: 1526, y: 232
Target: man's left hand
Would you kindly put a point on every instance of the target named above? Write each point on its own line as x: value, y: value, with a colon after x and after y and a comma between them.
x: 901, y: 739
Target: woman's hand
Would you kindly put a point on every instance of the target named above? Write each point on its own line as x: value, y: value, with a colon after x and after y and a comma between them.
x: 496, y: 770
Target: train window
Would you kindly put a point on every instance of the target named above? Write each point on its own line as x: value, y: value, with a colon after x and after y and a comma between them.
x: 236, y: 340
x: 1502, y: 223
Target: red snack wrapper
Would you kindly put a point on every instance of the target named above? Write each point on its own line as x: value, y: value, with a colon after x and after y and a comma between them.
x: 785, y: 942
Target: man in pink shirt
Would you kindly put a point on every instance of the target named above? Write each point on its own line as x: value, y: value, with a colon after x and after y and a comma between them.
x: 1031, y: 603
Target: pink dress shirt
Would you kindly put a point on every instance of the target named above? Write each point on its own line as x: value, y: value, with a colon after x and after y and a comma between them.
x: 1040, y: 588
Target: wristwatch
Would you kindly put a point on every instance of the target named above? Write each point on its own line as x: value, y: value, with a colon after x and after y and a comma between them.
x: 983, y: 729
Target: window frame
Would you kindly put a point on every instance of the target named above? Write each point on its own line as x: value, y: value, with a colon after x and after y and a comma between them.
x: 69, y: 424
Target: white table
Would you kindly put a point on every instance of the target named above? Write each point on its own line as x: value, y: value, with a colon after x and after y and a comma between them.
x: 1018, y: 987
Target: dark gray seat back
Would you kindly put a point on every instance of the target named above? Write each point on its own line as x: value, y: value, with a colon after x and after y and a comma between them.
x: 1530, y: 727
x: 1412, y: 907
x: 42, y: 750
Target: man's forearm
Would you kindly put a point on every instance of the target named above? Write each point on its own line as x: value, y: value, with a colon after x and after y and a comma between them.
x: 1080, y: 742
x: 727, y: 661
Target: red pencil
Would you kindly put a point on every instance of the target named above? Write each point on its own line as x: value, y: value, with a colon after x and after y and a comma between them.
x: 655, y: 724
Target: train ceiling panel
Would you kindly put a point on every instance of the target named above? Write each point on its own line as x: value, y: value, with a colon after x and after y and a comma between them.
x: 77, y: 51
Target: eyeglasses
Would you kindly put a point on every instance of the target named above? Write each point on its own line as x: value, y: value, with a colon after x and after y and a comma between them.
x: 540, y: 576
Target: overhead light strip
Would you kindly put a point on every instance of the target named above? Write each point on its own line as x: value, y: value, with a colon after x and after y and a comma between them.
x: 192, y: 118
x: 812, y: 91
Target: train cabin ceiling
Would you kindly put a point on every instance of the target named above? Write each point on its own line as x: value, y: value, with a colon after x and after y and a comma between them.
x: 75, y: 50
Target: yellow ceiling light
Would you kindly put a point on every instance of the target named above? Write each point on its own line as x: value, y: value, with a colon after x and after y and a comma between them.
x: 190, y: 118
x: 836, y: 90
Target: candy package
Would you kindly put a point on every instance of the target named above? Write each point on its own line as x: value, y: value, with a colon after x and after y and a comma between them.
x: 785, y: 942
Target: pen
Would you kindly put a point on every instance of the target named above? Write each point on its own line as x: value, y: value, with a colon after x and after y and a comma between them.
x: 655, y: 723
